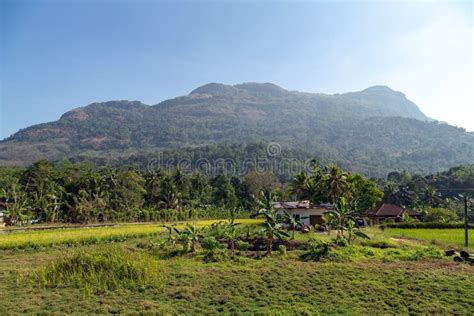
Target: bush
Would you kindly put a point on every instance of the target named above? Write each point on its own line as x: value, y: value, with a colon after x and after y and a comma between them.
x: 216, y: 255
x: 441, y: 215
x: 211, y: 243
x: 107, y: 269
x: 242, y: 245
x: 282, y: 250
x: 317, y: 249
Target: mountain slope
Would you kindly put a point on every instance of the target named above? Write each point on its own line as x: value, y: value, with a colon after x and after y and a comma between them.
x: 371, y: 131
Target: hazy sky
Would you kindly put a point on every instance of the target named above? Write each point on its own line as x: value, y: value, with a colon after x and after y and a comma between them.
x: 57, y: 55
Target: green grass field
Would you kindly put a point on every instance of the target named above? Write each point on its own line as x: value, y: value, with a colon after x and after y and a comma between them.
x: 447, y: 237
x: 376, y: 276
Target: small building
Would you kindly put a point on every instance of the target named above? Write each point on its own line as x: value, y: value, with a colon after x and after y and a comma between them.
x: 394, y: 212
x: 307, y: 213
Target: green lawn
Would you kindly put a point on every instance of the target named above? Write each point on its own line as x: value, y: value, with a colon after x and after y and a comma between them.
x: 447, y: 237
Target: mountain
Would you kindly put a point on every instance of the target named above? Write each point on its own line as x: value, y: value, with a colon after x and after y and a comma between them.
x: 371, y: 131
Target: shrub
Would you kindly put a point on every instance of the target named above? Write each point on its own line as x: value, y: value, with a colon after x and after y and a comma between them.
x: 317, y: 249
x: 282, y: 250
x: 441, y: 215
x: 242, y: 245
x: 211, y: 243
x: 216, y: 255
x: 107, y: 269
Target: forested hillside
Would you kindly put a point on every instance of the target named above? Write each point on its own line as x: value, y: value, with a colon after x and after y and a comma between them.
x: 373, y: 131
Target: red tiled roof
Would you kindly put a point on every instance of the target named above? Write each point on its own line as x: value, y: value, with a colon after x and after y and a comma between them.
x: 412, y: 212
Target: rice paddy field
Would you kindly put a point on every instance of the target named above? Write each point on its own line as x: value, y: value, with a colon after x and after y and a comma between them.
x: 445, y: 237
x: 89, y: 235
x: 65, y: 274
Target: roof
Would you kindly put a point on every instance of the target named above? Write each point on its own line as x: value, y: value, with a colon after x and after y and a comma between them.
x: 291, y: 204
x: 391, y: 210
x: 298, y: 205
x: 306, y: 211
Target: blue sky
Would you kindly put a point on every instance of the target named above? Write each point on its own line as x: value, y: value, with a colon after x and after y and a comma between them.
x: 57, y: 55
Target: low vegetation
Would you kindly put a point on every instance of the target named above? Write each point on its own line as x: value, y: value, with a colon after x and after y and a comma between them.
x: 106, y: 268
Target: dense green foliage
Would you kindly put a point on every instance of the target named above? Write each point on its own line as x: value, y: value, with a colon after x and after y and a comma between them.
x: 83, y: 193
x: 372, y: 131
x: 435, y: 195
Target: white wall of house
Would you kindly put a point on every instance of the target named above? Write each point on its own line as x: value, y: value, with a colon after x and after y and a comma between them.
x: 303, y: 213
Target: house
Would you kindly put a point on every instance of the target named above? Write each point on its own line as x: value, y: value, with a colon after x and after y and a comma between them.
x: 386, y: 211
x: 307, y: 213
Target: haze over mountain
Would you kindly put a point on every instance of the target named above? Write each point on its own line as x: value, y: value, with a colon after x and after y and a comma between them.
x: 371, y: 131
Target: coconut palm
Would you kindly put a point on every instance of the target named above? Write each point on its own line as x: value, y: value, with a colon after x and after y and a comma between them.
x: 169, y: 196
x: 336, y: 183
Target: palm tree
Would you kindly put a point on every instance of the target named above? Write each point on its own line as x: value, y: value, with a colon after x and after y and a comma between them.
x: 169, y: 196
x: 299, y: 186
x: 152, y: 184
x: 336, y: 182
x: 391, y: 192
x: 431, y: 196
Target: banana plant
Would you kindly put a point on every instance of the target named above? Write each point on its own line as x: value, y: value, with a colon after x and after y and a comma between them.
x: 231, y: 234
x: 354, y: 231
x: 293, y: 222
x: 273, y: 229
x: 193, y: 236
x: 170, y: 238
x: 272, y: 226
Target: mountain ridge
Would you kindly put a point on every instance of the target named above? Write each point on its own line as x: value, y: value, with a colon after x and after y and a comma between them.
x: 356, y: 126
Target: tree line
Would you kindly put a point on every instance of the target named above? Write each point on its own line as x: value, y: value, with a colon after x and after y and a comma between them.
x: 82, y: 193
